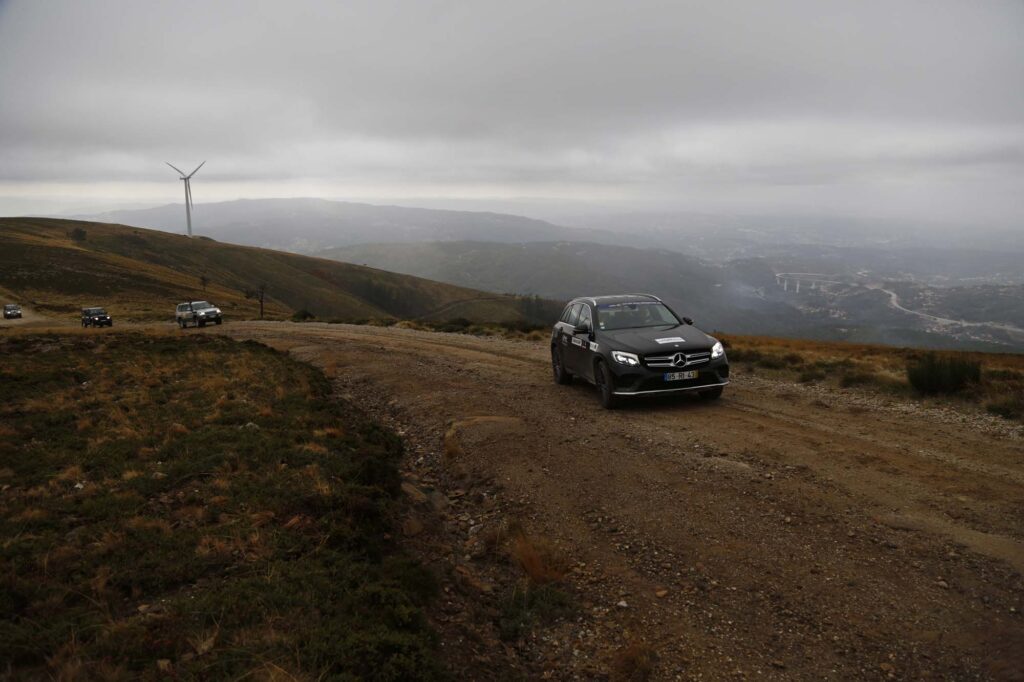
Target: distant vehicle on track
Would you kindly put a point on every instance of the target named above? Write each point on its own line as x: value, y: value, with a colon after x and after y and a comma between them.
x: 198, y: 314
x: 96, y: 317
x: 635, y: 345
x: 12, y: 311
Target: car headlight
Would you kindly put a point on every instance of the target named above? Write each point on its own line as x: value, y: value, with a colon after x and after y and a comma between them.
x: 624, y: 358
x: 717, y: 350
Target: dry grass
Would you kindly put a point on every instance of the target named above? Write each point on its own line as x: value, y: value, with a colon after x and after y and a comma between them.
x: 539, y: 559
x: 882, y: 368
x: 633, y: 663
x: 126, y: 546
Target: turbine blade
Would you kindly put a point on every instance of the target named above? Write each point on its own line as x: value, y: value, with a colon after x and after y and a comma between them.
x: 175, y: 168
x: 196, y: 170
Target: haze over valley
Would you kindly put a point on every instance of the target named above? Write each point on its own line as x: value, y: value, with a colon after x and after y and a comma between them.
x: 721, y: 270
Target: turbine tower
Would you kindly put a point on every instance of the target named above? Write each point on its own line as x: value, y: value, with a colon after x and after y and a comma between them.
x: 188, y: 193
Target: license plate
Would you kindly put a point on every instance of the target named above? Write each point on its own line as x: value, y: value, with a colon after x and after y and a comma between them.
x: 679, y: 376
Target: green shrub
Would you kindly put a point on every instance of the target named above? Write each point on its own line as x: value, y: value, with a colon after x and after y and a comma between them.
x: 302, y: 315
x: 933, y: 373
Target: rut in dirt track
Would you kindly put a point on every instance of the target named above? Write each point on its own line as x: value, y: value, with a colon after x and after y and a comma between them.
x: 789, y: 530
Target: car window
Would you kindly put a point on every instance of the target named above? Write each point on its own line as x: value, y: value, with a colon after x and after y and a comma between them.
x: 566, y: 313
x: 635, y: 314
x: 575, y: 314
x: 585, y: 320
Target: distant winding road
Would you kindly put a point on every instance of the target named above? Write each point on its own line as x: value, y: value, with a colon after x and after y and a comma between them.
x: 894, y: 301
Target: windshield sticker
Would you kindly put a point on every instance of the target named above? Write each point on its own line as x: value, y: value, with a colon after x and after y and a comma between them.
x: 671, y: 339
x: 631, y: 304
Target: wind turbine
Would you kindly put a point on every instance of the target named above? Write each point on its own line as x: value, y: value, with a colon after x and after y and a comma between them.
x: 188, y: 193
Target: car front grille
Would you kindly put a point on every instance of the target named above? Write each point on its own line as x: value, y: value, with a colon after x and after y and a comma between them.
x: 678, y: 360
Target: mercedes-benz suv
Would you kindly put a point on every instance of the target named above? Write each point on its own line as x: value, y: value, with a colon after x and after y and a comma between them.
x: 635, y: 345
x: 12, y: 311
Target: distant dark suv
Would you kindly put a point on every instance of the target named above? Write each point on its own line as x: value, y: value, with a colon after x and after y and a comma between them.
x: 96, y: 317
x: 12, y: 311
x: 635, y: 345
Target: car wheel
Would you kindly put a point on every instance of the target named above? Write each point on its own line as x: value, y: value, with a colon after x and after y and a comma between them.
x: 219, y: 321
x: 605, y: 386
x: 713, y: 394
x: 558, y: 370
x: 202, y: 323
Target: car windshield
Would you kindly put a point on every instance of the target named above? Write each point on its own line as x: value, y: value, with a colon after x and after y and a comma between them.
x: 611, y: 316
x: 10, y: 306
x: 95, y: 311
x: 199, y: 305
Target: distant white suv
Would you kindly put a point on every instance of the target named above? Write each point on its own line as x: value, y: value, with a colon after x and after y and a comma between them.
x: 198, y: 314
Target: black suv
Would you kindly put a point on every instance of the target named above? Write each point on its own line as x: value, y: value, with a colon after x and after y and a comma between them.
x: 12, y: 311
x: 96, y: 317
x: 635, y: 345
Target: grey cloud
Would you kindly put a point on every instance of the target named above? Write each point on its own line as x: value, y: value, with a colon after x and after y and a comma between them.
x: 634, y: 98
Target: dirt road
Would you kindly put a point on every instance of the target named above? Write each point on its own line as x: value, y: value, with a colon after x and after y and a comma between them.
x: 785, y: 531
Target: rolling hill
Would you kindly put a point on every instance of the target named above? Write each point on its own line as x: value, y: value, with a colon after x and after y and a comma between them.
x: 717, y: 296
x: 59, y: 266
x: 306, y: 225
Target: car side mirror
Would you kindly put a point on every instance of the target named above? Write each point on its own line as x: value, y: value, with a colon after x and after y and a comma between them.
x: 688, y: 320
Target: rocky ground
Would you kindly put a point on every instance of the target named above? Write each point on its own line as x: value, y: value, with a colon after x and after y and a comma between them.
x: 785, y: 531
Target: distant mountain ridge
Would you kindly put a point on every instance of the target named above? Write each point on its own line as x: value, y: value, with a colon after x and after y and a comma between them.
x: 310, y: 225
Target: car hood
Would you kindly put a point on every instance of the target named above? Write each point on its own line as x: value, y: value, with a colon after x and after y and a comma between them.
x: 211, y: 309
x: 653, y: 340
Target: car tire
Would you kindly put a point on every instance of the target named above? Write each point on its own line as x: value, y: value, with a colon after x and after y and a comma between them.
x: 219, y: 321
x: 558, y: 371
x: 713, y: 394
x: 202, y: 323
x: 605, y: 386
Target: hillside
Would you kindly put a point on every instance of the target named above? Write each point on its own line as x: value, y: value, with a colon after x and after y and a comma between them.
x: 717, y: 296
x: 140, y: 274
x: 157, y: 499
x: 309, y: 225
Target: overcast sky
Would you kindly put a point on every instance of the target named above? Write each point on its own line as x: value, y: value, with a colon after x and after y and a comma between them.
x: 912, y: 110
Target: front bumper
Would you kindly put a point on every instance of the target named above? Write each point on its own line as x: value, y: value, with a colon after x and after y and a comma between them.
x: 644, y: 380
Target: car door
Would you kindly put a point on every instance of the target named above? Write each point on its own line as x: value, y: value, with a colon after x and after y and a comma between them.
x: 565, y: 335
x: 580, y: 344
